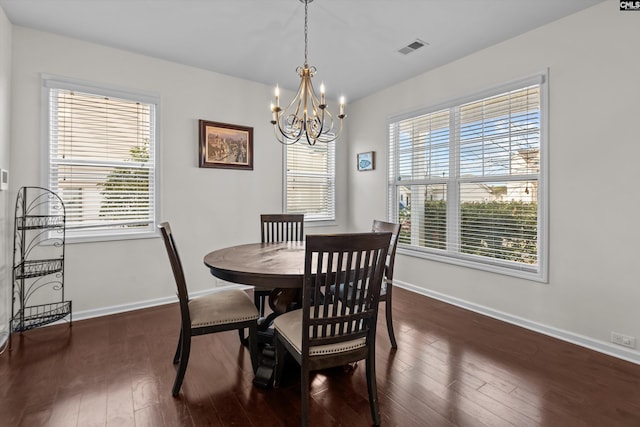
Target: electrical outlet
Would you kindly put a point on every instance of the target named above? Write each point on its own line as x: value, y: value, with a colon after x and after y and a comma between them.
x: 4, y: 179
x: 623, y: 340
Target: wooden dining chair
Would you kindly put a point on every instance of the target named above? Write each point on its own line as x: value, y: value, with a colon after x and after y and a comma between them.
x: 277, y: 228
x: 216, y: 312
x: 387, y: 284
x: 323, y: 334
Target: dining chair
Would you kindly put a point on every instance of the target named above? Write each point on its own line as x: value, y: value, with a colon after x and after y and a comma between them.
x: 216, y: 312
x: 277, y: 228
x: 387, y: 283
x: 324, y: 334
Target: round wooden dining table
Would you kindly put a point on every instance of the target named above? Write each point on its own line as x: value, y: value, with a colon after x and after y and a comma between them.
x: 266, y: 265
x: 277, y: 266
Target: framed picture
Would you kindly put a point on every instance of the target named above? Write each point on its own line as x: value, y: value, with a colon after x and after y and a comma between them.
x: 225, y: 146
x: 366, y: 161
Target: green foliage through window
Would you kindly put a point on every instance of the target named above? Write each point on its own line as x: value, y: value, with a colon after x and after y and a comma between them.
x: 494, y: 229
x: 126, y: 190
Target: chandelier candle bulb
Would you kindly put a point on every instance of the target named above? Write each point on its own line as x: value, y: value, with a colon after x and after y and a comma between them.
x: 277, y: 97
x: 322, y: 101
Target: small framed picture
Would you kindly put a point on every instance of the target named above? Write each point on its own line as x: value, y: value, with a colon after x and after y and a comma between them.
x: 366, y: 161
x: 225, y: 146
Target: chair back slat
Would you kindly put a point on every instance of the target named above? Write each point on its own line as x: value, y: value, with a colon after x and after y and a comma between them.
x: 332, y: 261
x: 178, y: 272
x: 282, y: 227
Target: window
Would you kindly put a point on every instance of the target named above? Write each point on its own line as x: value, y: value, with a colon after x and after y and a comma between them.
x: 101, y: 161
x: 310, y: 180
x: 466, y: 180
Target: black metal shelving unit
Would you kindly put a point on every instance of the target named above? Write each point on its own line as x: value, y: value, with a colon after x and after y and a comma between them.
x: 38, y: 260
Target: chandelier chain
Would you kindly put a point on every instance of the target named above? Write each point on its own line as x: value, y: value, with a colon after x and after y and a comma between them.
x: 306, y: 30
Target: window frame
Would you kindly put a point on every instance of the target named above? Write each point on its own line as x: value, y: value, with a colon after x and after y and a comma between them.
x: 77, y: 234
x: 540, y: 273
x: 310, y: 219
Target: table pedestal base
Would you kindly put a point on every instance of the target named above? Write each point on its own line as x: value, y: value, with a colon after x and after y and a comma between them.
x: 280, y: 301
x: 266, y: 367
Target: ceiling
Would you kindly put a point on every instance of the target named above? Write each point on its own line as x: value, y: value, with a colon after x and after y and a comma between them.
x: 353, y: 43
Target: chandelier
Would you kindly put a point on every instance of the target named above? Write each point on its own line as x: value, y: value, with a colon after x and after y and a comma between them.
x: 306, y: 116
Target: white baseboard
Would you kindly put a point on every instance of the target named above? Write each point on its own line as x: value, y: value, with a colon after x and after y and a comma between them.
x: 105, y: 311
x: 583, y: 341
x: 115, y: 309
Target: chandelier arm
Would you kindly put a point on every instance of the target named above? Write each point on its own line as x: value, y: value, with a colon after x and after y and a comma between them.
x: 298, y: 98
x: 318, y: 115
x: 317, y: 124
x: 277, y: 127
x: 294, y: 122
x: 311, y: 141
x: 289, y: 118
x: 293, y: 130
x: 285, y: 131
x: 331, y: 131
x: 282, y: 140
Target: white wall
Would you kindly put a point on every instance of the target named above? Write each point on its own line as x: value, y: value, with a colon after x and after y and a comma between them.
x: 5, y: 115
x: 207, y: 208
x: 594, y: 280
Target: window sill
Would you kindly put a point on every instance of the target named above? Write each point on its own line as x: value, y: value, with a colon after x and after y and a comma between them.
x: 522, y: 273
x: 71, y: 239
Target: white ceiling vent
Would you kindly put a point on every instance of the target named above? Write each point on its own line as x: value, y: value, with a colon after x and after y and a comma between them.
x: 417, y: 44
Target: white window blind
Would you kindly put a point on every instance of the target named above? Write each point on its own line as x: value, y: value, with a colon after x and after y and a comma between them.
x: 465, y: 180
x: 102, y: 160
x: 310, y: 180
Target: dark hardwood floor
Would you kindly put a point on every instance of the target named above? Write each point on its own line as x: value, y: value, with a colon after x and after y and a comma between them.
x: 452, y: 368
